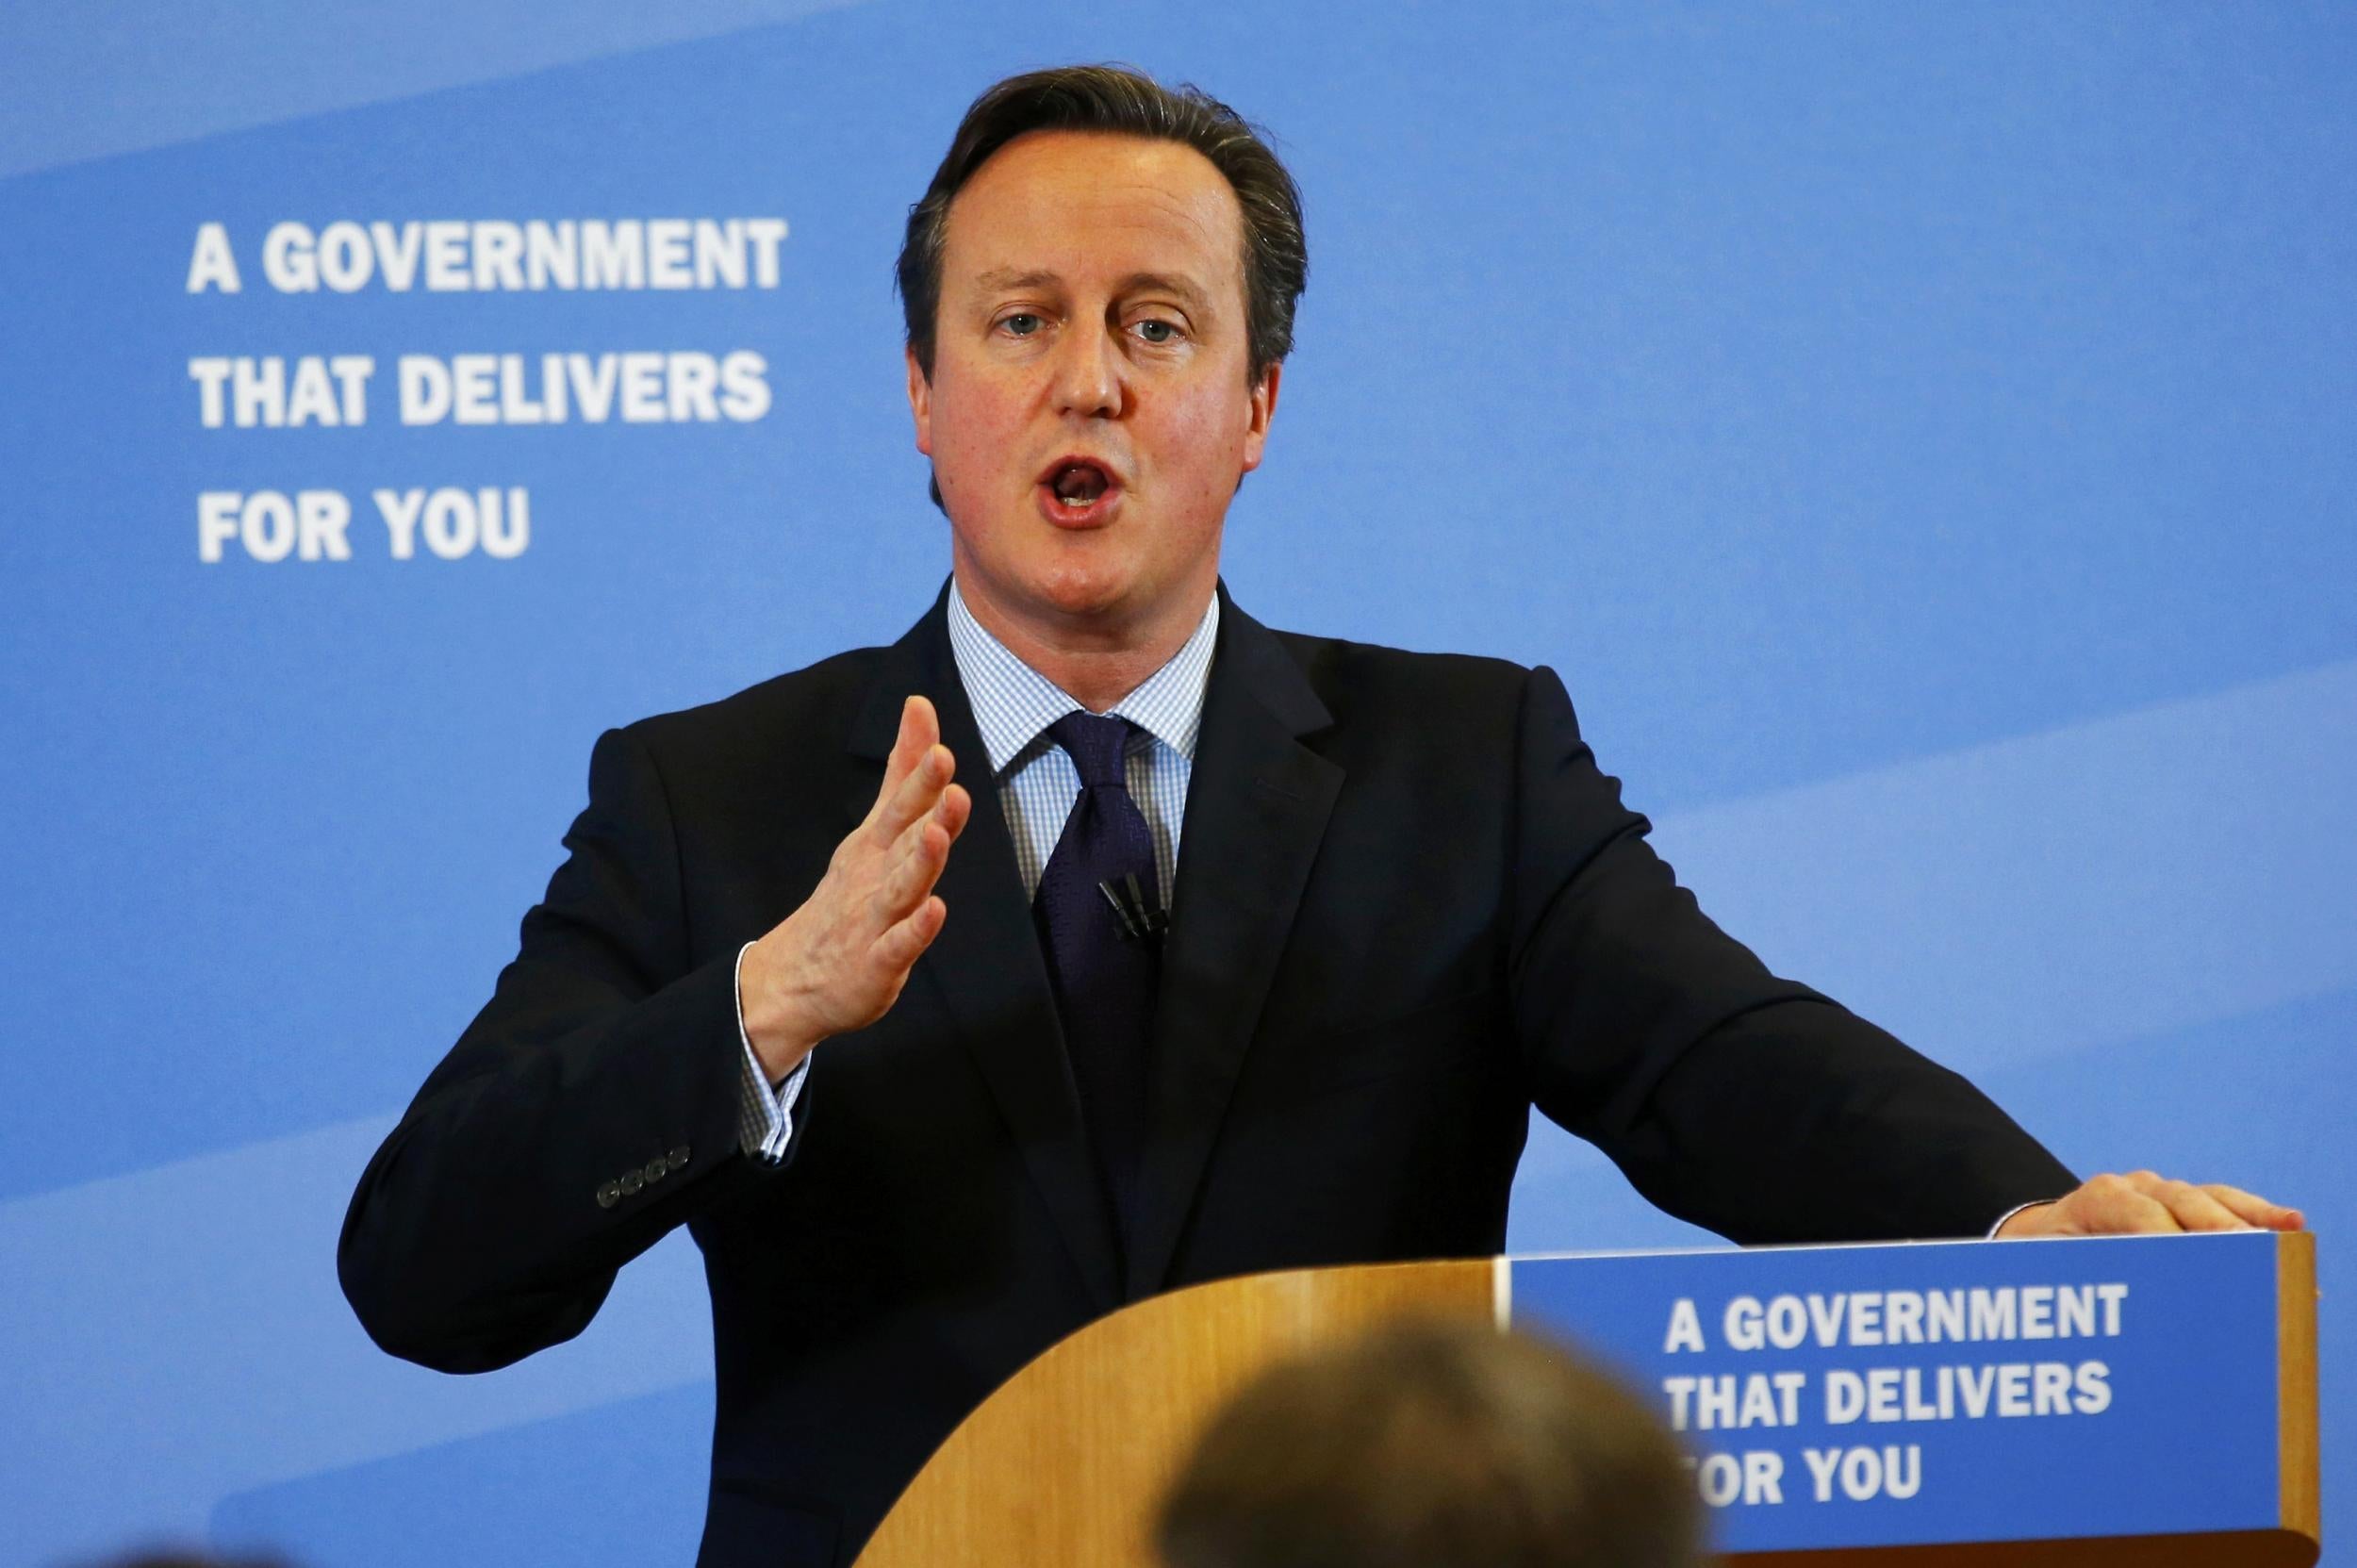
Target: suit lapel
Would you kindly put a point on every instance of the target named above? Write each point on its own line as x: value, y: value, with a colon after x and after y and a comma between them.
x: 986, y: 967
x: 1257, y: 808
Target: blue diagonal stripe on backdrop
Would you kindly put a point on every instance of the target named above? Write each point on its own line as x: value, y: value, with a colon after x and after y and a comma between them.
x: 2188, y: 861
x: 175, y: 1333
x: 96, y: 80
x: 2043, y: 894
x: 2053, y: 892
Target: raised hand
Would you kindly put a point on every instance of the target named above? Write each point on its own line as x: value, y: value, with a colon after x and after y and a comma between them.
x: 839, y: 963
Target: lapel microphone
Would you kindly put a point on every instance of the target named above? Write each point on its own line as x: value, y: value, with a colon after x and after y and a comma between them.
x: 1141, y: 918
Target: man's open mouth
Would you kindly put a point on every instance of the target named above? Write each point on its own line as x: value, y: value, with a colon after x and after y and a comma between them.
x: 1079, y: 483
x: 1074, y: 488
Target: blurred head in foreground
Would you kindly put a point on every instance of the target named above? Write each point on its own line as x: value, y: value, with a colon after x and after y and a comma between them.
x: 1433, y: 1445
x: 190, y: 1559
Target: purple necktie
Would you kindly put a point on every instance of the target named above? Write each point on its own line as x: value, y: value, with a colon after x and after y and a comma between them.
x: 1104, y: 979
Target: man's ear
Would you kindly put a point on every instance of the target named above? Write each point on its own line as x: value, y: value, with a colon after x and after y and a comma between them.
x: 1263, y: 409
x: 921, y: 401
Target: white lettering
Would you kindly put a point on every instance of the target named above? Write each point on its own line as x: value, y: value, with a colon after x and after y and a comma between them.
x: 475, y: 388
x: 693, y: 377
x: 506, y: 524
x: 668, y: 260
x: 744, y: 385
x: 613, y: 256
x: 425, y: 389
x: 768, y: 233
x: 1740, y: 1325
x: 553, y: 254
x: 2094, y: 1388
x: 1680, y: 1390
x: 211, y: 265
x: 2013, y: 1389
x: 287, y: 259
x: 397, y: 253
x: 1763, y: 1476
x: 266, y: 526
x: 446, y: 258
x: 346, y: 262
x: 1714, y: 1402
x: 320, y: 517
x: 216, y: 523
x: 1721, y: 1479
x: 642, y: 388
x: 450, y: 523
x: 210, y: 375
x: 1845, y: 1397
x: 1821, y: 1464
x: 499, y: 248
x: 400, y: 511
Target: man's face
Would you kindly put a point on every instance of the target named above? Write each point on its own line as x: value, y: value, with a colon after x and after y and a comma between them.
x: 1088, y: 414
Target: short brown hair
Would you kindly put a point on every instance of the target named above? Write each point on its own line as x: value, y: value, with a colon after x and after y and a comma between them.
x: 1122, y: 101
x: 1434, y: 1445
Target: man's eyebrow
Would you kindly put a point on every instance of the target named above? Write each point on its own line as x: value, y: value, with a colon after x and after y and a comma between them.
x: 1166, y: 282
x: 1000, y: 279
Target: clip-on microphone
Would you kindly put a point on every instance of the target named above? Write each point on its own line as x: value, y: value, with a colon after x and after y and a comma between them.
x: 1142, y: 920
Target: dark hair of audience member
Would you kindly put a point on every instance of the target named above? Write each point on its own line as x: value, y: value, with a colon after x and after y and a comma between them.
x: 178, y: 1558
x: 1433, y: 1445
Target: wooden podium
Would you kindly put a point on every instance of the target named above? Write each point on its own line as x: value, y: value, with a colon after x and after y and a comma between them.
x: 2208, y: 1386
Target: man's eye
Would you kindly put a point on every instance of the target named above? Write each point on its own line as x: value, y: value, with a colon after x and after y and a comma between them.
x: 1022, y: 324
x: 1158, y: 332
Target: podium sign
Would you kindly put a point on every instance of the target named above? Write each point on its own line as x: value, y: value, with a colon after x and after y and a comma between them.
x: 1948, y: 1392
x: 2145, y: 1402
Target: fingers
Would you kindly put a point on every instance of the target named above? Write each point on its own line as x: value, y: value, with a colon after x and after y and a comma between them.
x: 920, y: 730
x: 898, y: 948
x: 2190, y: 1207
x: 2255, y: 1210
x: 919, y: 792
x: 2144, y: 1202
x: 2117, y: 1206
x: 915, y: 866
x: 919, y: 733
x: 921, y: 853
x: 955, y: 808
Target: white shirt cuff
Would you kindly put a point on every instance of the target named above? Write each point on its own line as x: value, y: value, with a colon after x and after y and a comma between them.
x: 2008, y: 1214
x: 765, y: 1118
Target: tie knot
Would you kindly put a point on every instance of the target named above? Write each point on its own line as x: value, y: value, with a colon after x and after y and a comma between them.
x: 1096, y: 744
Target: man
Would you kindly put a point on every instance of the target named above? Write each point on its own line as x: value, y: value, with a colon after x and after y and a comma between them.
x: 1433, y: 1445
x: 937, y: 1071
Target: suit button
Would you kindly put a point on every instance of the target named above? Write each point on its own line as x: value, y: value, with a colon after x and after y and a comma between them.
x: 632, y: 1181
x: 676, y: 1159
x: 656, y: 1169
x: 609, y: 1194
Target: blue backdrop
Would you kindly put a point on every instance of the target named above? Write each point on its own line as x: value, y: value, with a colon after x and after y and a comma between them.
x: 1921, y: 436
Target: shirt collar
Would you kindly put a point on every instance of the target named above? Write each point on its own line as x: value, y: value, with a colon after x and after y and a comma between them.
x: 1013, y: 702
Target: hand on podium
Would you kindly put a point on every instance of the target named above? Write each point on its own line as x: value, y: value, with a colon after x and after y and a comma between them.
x: 2146, y: 1203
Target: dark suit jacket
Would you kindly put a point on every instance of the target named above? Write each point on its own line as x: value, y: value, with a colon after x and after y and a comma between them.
x: 1410, y: 907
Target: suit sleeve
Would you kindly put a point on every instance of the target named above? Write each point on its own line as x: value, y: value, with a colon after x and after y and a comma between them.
x: 593, y: 1104
x: 1734, y: 1099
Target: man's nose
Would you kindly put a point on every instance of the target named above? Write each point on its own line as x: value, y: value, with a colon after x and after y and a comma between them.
x: 1088, y: 375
